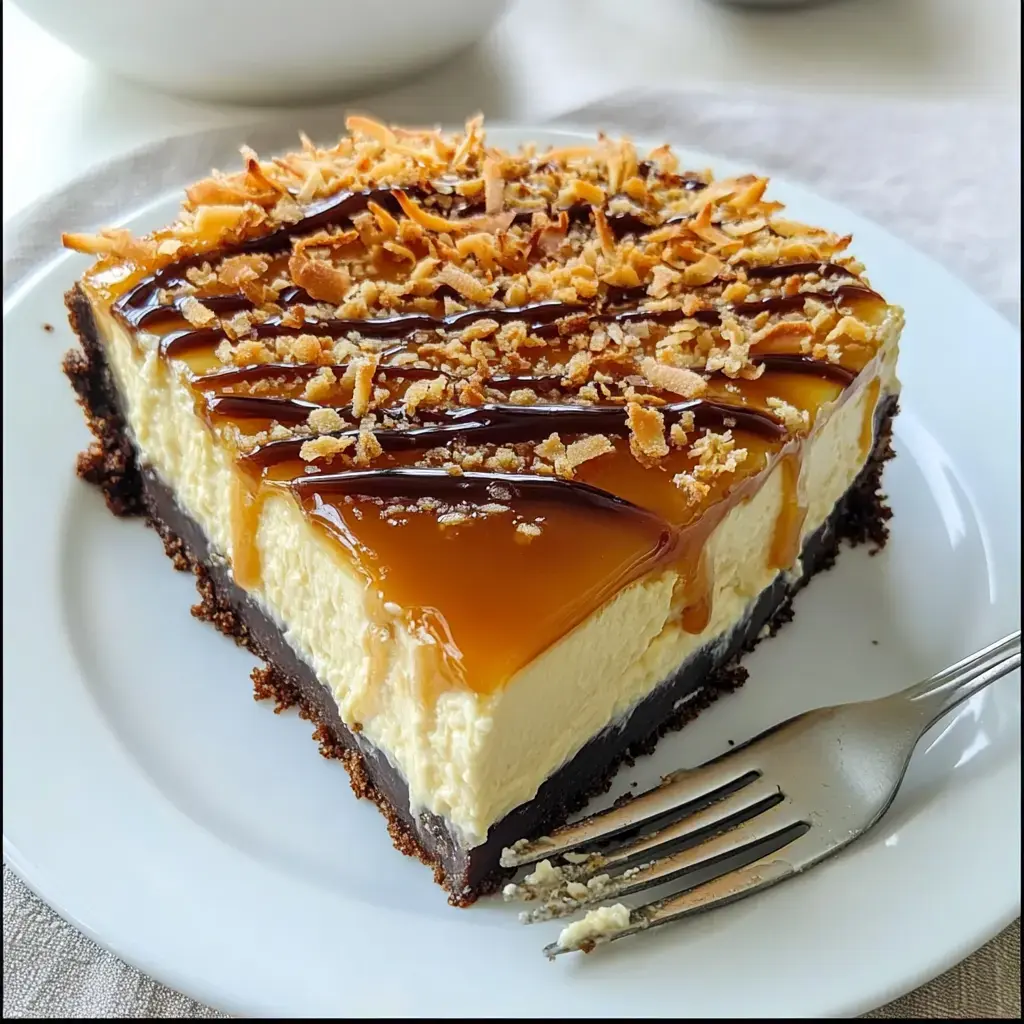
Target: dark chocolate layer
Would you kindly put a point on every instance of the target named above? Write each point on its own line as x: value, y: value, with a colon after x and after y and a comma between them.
x: 110, y: 463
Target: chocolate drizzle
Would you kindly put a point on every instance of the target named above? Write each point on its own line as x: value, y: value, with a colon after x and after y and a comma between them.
x: 479, y: 488
x: 402, y: 325
x: 542, y: 319
x: 289, y: 411
x: 808, y: 365
x: 511, y: 424
x: 777, y: 270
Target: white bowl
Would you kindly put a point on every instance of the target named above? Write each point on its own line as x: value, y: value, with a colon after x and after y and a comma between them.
x: 261, y: 51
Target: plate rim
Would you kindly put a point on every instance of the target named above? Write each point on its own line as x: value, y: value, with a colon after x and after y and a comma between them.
x: 22, y: 283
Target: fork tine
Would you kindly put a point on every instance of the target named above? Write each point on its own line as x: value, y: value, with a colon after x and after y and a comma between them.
x: 764, y: 871
x: 727, y: 812
x: 752, y: 834
x: 677, y: 790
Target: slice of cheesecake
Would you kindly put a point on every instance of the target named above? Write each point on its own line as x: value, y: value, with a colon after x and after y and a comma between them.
x: 497, y: 460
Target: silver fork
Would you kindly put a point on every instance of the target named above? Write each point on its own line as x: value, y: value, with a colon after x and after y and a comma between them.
x: 757, y: 815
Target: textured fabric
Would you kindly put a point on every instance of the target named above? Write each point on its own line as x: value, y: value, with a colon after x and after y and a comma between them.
x: 944, y: 177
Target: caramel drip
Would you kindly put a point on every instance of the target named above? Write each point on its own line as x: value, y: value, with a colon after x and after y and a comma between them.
x: 785, y: 546
x: 695, y: 589
x: 246, y: 506
x: 867, y: 430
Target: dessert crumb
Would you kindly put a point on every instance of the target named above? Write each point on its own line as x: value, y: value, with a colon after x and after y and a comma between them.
x: 49, y: 328
x: 874, y: 642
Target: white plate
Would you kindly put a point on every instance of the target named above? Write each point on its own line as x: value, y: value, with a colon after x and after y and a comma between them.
x: 200, y: 837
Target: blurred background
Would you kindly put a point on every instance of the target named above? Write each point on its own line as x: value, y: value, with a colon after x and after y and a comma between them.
x: 534, y: 60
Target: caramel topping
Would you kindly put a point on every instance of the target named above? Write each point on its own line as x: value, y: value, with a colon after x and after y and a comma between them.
x: 506, y: 385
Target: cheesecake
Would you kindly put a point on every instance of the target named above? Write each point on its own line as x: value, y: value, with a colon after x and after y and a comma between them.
x: 497, y: 460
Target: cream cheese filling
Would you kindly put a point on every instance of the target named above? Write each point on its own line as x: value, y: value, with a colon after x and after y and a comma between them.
x: 471, y: 758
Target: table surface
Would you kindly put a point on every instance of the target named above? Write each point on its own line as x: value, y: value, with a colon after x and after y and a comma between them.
x: 551, y: 56
x: 543, y: 58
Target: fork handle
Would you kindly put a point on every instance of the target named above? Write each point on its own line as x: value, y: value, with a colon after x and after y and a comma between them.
x: 954, y: 685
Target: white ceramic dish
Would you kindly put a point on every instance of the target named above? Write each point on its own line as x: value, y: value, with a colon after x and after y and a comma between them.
x: 187, y: 828
x: 262, y: 51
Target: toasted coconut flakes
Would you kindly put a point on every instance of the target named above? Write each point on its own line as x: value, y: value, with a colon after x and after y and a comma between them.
x: 523, y: 396
x: 647, y: 433
x: 312, y: 185
x: 716, y: 453
x: 551, y: 448
x: 622, y: 276
x: 400, y: 251
x: 749, y: 196
x: 577, y: 370
x: 362, y: 389
x: 694, y: 491
x: 789, y: 330
x: 249, y: 352
x: 256, y: 172
x: 325, y: 421
x: 736, y: 292
x: 482, y: 246
x: 704, y: 271
x: 587, y: 448
x: 662, y: 279
x: 480, y: 329
x: 320, y: 278
x: 426, y: 393
x: 323, y: 447
x: 673, y: 378
x: 196, y: 313
x: 465, y: 284
x: 505, y: 460
x: 494, y: 185
x: 359, y: 125
x: 580, y: 191
x: 424, y: 269
x: 384, y: 220
x: 849, y: 327
x: 702, y: 227
x: 111, y: 241
x: 303, y: 349
x: 368, y: 447
x: 213, y: 223
x: 745, y: 228
x: 425, y: 219
x: 792, y: 228
x: 318, y: 388
x: 286, y: 211
x: 604, y: 232
x: 236, y: 270
x: 527, y: 531
x: 793, y: 419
